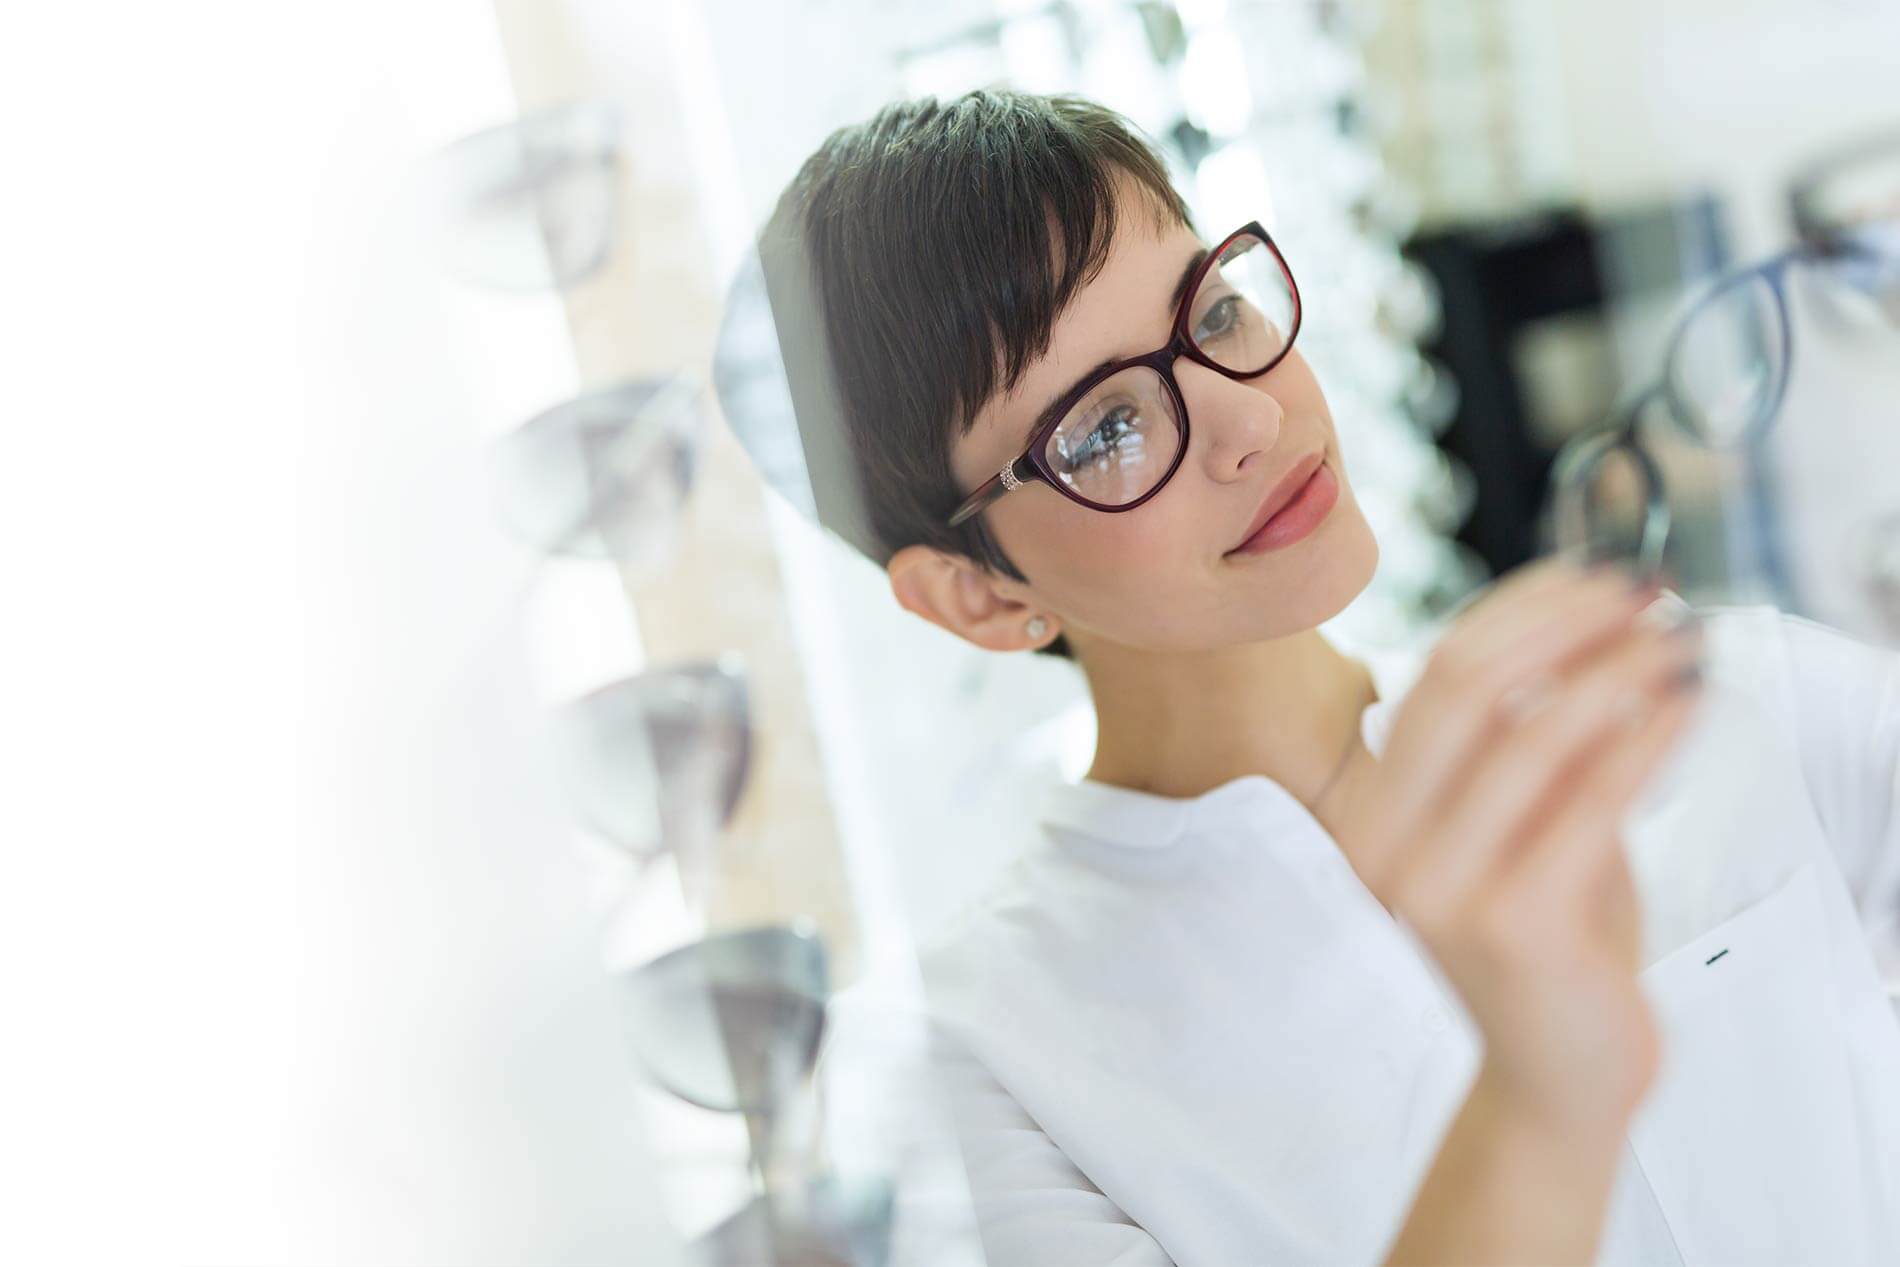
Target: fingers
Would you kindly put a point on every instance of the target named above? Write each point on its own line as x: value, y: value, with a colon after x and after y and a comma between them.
x: 1615, y: 907
x: 1541, y: 575
x: 1532, y: 634
x: 1531, y: 765
x: 1545, y: 624
x: 1569, y: 858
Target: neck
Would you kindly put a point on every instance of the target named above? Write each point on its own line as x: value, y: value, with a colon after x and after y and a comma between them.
x: 1181, y: 724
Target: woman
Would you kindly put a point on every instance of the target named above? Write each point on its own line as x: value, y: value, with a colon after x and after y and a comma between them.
x: 1326, y: 960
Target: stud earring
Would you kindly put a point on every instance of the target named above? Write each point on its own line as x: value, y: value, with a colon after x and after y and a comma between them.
x: 1037, y: 627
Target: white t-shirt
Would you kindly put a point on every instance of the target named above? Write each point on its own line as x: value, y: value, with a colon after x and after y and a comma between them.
x: 1181, y: 1031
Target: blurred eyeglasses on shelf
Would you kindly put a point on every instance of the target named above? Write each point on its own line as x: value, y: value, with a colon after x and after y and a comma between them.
x: 529, y: 205
x: 656, y: 763
x: 732, y: 1023
x: 606, y: 474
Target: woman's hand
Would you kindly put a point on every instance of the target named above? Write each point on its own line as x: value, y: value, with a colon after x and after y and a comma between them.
x: 1491, y: 825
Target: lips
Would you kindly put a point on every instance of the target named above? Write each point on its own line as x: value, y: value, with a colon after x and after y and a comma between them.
x: 1284, y: 492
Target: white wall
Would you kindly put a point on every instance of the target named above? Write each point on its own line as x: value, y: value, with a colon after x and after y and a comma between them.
x: 1727, y: 94
x: 297, y: 969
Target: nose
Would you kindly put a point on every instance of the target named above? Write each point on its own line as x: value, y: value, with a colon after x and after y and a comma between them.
x: 1235, y: 422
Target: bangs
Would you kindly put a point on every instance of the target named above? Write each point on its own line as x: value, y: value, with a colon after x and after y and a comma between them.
x: 995, y: 213
x: 945, y: 239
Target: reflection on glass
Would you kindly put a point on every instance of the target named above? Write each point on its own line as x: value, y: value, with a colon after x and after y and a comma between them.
x: 606, y: 474
x: 748, y: 373
x: 529, y: 205
x: 657, y: 761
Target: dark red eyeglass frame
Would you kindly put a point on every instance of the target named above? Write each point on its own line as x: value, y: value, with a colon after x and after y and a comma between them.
x: 1161, y: 360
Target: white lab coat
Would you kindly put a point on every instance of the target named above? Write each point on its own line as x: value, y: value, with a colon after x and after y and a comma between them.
x: 1181, y: 1031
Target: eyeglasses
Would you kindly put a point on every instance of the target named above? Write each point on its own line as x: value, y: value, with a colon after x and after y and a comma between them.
x: 1725, y: 367
x: 606, y: 474
x: 1114, y: 439
x: 655, y: 763
x: 531, y: 204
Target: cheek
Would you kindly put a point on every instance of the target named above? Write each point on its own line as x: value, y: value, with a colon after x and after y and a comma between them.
x: 1298, y: 389
x: 1104, y: 563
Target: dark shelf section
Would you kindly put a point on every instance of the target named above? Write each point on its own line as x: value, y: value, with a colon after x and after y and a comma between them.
x: 1499, y: 281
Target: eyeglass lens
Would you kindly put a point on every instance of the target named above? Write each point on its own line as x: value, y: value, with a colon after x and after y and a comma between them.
x: 1727, y: 365
x: 1119, y: 441
x: 1609, y: 502
x: 1243, y: 310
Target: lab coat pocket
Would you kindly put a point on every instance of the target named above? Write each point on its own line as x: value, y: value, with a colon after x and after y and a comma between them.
x: 1749, y: 1136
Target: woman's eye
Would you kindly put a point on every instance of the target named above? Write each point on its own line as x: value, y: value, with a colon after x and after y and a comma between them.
x: 1219, y: 319
x: 1105, y: 435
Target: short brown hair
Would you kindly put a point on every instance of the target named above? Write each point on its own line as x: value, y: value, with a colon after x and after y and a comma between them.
x: 945, y: 238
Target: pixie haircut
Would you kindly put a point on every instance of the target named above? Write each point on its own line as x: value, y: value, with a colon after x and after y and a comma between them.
x: 945, y: 238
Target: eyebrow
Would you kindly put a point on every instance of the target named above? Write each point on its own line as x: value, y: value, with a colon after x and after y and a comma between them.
x: 1174, y: 302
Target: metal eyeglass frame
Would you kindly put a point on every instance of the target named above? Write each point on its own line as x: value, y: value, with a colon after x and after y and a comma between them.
x: 1576, y: 466
x: 1574, y: 471
x: 1161, y: 361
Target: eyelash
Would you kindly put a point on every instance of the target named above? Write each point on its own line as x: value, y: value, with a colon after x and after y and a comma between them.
x: 1225, y: 302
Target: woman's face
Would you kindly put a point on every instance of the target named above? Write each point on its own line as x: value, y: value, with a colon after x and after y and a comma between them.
x: 1163, y: 576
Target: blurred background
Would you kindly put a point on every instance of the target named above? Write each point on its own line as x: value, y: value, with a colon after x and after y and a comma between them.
x: 459, y: 779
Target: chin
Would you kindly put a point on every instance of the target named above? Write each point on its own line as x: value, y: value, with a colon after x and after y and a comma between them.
x: 1354, y: 555
x: 1366, y: 557
x: 1344, y: 560
x: 1338, y: 589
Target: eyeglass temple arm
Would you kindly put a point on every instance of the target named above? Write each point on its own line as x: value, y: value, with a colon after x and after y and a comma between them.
x: 1004, y: 481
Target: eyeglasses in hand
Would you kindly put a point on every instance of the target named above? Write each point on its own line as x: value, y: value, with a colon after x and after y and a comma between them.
x: 1726, y: 364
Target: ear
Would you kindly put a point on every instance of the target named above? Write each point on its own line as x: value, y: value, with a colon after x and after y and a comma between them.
x: 952, y: 592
